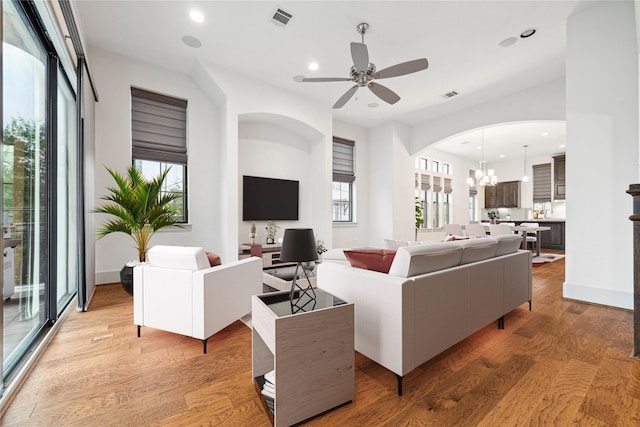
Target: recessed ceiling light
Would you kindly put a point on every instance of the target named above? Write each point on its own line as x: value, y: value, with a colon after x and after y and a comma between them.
x: 561, y: 145
x: 502, y: 156
x: 509, y: 41
x: 298, y: 78
x: 196, y: 16
x: 313, y: 66
x: 544, y: 134
x: 527, y: 33
x: 479, y: 147
x: 191, y: 41
x: 373, y: 105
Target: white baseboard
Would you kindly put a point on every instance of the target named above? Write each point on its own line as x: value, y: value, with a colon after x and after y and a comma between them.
x: 609, y: 297
x: 104, y: 277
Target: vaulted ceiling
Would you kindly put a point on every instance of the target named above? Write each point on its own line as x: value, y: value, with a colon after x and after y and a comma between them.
x: 461, y: 40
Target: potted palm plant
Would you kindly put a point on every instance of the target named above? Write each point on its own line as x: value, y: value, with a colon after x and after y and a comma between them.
x: 138, y: 209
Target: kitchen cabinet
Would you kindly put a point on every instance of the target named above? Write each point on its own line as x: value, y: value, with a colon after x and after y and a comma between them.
x: 502, y: 195
x: 559, y: 186
x: 490, y: 199
x: 554, y: 238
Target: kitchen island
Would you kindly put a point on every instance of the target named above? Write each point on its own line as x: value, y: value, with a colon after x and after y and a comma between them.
x: 552, y: 239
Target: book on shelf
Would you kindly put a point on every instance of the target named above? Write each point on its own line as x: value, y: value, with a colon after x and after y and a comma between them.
x: 270, y: 376
x: 268, y: 393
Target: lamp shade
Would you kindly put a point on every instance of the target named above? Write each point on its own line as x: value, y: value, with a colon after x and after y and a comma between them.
x: 298, y: 245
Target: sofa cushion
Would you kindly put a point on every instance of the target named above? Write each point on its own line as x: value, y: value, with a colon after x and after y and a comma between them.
x: 178, y: 257
x: 214, y: 259
x: 508, y: 243
x: 413, y: 260
x: 371, y: 259
x: 394, y: 244
x: 335, y: 254
x: 478, y: 249
x: 453, y: 238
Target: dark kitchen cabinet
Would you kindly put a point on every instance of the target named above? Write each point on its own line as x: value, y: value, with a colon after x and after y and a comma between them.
x: 502, y: 195
x: 554, y: 238
x: 559, y: 185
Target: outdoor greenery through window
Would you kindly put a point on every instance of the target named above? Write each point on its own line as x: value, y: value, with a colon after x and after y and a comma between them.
x: 343, y: 179
x: 159, y: 141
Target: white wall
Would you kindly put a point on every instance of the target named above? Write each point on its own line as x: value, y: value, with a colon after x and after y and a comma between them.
x: 245, y: 99
x: 350, y: 235
x: 271, y: 151
x: 602, y: 152
x: 114, y: 75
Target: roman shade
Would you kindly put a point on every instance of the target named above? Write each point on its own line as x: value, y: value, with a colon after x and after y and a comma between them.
x: 158, y: 127
x: 447, y: 186
x: 425, y: 182
x: 542, y: 183
x: 437, y: 184
x: 343, y: 164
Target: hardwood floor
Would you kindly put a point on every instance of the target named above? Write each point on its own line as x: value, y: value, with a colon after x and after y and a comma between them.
x: 564, y: 363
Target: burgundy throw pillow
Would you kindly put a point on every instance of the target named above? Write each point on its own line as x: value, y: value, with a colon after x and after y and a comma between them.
x: 213, y: 259
x: 452, y: 238
x: 371, y: 259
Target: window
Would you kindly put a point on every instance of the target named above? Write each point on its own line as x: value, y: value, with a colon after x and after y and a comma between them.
x: 343, y: 179
x: 446, y: 169
x: 422, y: 163
x: 159, y: 141
x: 435, y: 165
x: 447, y: 200
x: 473, y: 197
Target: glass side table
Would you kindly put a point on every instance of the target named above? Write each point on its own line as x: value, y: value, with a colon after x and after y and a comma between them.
x: 310, y: 350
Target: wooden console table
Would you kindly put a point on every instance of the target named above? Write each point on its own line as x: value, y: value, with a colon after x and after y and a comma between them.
x: 311, y: 353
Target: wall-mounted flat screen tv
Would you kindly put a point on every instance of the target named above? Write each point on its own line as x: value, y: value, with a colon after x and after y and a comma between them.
x: 269, y: 199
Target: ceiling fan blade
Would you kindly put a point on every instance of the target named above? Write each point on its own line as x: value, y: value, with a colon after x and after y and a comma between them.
x: 327, y: 79
x: 403, y: 68
x: 360, y: 56
x: 384, y: 93
x: 347, y: 96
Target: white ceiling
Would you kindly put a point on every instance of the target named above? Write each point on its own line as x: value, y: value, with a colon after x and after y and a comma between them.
x: 459, y: 38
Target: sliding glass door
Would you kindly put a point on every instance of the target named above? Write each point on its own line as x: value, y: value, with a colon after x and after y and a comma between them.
x: 40, y: 176
x: 24, y: 174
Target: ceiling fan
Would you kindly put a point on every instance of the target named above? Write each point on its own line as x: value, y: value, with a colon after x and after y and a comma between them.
x: 363, y: 73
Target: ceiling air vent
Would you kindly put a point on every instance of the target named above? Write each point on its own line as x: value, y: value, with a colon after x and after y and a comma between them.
x: 450, y: 94
x: 281, y: 18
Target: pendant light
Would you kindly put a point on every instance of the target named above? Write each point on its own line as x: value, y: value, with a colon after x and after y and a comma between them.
x: 525, y: 177
x: 483, y: 176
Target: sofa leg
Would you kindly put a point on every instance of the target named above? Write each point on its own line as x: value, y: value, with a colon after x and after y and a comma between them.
x: 138, y: 331
x: 399, y: 378
x: 501, y: 323
x: 529, y: 305
x: 204, y: 345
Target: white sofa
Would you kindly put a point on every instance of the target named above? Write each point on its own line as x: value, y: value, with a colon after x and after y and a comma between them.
x: 434, y: 296
x: 179, y: 292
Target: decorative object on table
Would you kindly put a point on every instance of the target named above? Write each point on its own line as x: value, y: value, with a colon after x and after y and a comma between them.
x: 320, y: 248
x: 272, y: 229
x: 299, y: 246
x: 493, y: 215
x: 252, y: 234
x: 138, y: 209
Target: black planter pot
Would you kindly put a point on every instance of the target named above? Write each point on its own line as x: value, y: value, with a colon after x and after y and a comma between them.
x: 126, y: 278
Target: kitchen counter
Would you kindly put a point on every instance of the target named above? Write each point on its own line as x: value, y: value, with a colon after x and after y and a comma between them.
x: 552, y: 239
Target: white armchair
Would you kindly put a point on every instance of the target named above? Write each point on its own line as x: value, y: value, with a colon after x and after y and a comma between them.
x: 179, y: 292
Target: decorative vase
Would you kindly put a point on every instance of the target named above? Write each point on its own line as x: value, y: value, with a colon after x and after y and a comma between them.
x: 270, y: 240
x: 126, y: 278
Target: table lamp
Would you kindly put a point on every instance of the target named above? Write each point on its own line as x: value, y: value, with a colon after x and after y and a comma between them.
x: 299, y: 245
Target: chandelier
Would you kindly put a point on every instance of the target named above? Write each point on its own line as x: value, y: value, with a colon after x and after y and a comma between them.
x: 482, y: 175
